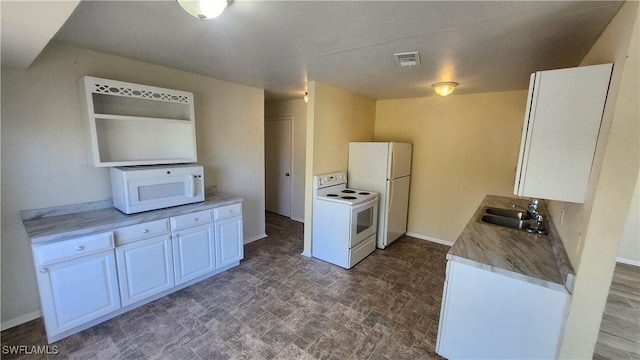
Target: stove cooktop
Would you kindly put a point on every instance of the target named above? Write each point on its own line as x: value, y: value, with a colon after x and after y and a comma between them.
x: 347, y: 196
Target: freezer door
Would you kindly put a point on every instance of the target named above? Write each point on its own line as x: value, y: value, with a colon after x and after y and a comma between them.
x: 368, y: 165
x: 397, y: 208
x: 400, y: 160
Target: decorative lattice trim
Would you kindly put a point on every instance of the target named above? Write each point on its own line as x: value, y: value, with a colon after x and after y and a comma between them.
x: 139, y: 93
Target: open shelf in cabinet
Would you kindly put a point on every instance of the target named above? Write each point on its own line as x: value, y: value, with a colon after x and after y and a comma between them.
x: 119, y: 142
x: 132, y: 124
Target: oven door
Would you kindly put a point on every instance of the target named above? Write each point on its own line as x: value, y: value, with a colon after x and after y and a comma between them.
x: 364, y: 221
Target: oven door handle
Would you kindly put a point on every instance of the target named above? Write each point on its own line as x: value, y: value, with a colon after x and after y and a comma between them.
x: 366, y: 204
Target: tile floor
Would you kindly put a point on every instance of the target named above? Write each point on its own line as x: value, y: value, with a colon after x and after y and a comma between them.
x: 279, y: 305
x: 619, y: 336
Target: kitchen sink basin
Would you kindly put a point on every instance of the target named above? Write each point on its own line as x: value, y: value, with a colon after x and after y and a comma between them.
x: 508, y: 213
x: 510, y: 218
x: 504, y: 221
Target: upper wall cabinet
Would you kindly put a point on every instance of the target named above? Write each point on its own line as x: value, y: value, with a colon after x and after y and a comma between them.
x: 560, y: 131
x: 131, y: 124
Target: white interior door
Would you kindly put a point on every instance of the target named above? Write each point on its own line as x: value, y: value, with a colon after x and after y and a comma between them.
x: 277, y: 140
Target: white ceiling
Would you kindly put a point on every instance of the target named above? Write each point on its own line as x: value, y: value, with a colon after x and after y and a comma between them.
x: 279, y: 46
x: 27, y: 27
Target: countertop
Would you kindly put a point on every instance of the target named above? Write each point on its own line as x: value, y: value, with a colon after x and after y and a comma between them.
x: 539, y: 259
x: 47, y: 225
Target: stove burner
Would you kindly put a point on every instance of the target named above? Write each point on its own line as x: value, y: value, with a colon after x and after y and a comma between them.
x: 349, y: 197
x: 348, y: 191
x: 332, y: 195
x: 363, y: 193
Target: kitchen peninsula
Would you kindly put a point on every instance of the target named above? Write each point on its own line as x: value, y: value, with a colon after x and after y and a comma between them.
x: 506, y: 291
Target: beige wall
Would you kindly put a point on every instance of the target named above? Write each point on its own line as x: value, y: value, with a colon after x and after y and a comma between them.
x: 629, y: 250
x: 612, y: 47
x: 592, y: 232
x: 44, y: 162
x: 464, y: 147
x: 340, y: 117
x: 296, y: 109
x: 335, y: 117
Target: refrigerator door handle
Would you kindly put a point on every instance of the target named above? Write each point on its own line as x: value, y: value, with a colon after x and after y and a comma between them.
x: 390, y: 195
x: 393, y: 162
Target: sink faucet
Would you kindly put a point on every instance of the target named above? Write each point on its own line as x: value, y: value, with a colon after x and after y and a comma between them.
x: 532, y: 209
x: 535, y: 216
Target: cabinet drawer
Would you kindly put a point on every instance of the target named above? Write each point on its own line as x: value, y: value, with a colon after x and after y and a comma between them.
x: 189, y: 220
x: 127, y: 234
x: 72, y: 248
x: 228, y: 211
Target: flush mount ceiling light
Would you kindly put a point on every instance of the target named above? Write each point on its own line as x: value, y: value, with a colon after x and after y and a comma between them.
x: 204, y: 9
x: 444, y: 88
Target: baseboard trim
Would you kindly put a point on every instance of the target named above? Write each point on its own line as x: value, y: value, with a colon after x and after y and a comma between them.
x: 429, y: 238
x: 306, y: 253
x: 297, y: 219
x: 252, y: 239
x: 20, y: 320
x: 628, y: 262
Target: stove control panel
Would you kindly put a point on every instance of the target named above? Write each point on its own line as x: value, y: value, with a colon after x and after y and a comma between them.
x: 330, y: 179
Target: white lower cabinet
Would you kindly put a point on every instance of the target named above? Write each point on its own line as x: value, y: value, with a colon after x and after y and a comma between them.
x: 193, y: 252
x: 86, y: 280
x: 227, y: 234
x: 79, y: 290
x: 486, y: 315
x: 145, y: 268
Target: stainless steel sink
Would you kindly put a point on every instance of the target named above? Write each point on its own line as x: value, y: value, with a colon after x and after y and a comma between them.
x: 508, y: 213
x: 504, y: 221
x: 510, y: 218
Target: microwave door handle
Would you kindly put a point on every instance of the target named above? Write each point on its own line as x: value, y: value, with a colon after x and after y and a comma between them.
x: 192, y: 181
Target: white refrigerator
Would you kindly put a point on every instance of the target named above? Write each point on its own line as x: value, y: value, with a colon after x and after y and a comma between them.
x: 384, y: 167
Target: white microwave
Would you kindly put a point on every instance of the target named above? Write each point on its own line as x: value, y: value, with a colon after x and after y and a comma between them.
x: 142, y: 188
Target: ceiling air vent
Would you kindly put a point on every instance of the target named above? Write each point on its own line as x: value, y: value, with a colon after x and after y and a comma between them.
x: 408, y: 58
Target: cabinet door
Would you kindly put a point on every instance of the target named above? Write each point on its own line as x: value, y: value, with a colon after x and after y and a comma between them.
x: 486, y: 315
x: 229, y: 241
x: 193, y: 252
x: 145, y: 268
x: 76, y: 291
x: 560, y: 132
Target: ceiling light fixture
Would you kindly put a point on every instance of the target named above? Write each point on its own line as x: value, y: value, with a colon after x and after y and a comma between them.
x: 306, y: 97
x: 444, y: 88
x: 204, y: 9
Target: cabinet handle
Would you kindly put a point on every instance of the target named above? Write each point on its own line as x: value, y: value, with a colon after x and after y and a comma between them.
x: 80, y: 248
x: 145, y: 231
x: 44, y: 270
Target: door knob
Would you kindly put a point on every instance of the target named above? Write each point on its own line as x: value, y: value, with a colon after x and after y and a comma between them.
x: 287, y: 174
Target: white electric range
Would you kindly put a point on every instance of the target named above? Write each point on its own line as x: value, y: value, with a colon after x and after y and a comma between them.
x: 344, y: 221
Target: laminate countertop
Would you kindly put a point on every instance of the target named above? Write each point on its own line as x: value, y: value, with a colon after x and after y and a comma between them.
x: 51, y: 224
x: 539, y: 259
